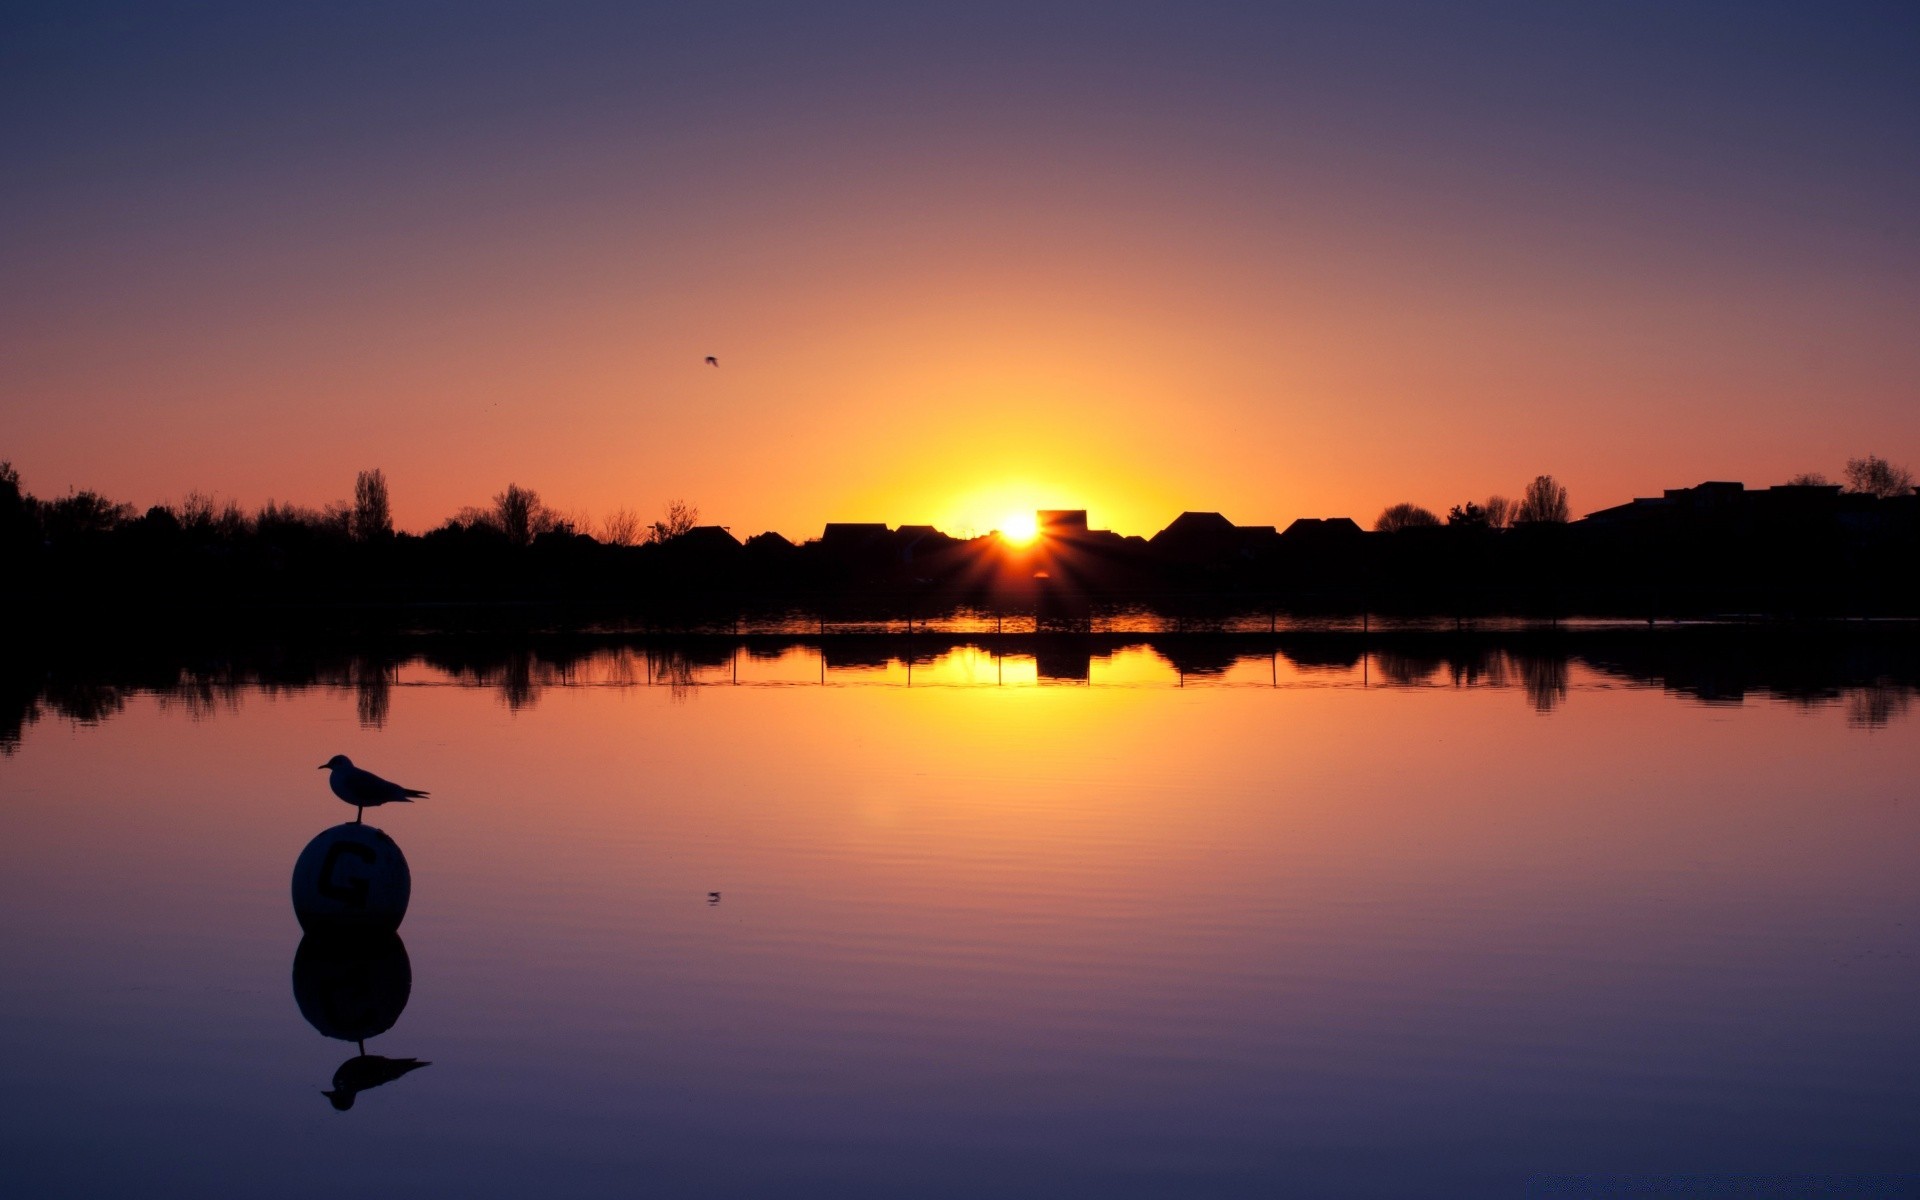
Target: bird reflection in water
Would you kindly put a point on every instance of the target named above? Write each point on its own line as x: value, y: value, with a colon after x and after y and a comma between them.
x: 364, y: 1071
x: 352, y: 988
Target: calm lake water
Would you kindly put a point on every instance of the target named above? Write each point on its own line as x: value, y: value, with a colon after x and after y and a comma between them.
x: 1360, y: 928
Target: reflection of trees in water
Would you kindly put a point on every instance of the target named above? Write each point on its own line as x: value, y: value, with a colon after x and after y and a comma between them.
x: 1873, y: 678
x: 516, y: 682
x: 622, y: 667
x: 674, y: 669
x: 85, y: 703
x: 1873, y: 706
x: 373, y: 692
x: 1399, y: 669
x: 204, y: 693
x: 80, y: 703
x: 1484, y: 669
x: 1544, y: 676
x: 513, y: 671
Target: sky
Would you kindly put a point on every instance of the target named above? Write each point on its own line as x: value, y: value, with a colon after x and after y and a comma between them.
x: 956, y: 261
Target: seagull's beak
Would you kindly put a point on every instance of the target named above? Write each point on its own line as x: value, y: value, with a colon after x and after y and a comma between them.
x: 321, y: 767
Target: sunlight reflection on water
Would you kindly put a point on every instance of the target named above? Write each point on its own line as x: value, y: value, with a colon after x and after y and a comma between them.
x: 1091, y: 918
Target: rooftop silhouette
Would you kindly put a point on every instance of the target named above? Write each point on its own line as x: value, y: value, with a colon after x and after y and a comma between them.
x: 1805, y: 549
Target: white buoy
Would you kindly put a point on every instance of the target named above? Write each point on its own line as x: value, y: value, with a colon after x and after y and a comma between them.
x: 351, y: 879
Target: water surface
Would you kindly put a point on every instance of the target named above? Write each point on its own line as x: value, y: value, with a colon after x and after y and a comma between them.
x: 1378, y: 927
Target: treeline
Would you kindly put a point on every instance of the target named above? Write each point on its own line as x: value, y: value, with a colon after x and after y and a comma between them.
x: 1805, y: 549
x: 87, y: 549
x: 1545, y: 500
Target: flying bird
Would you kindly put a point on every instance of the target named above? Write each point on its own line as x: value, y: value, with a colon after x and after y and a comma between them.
x: 712, y: 361
x: 363, y: 789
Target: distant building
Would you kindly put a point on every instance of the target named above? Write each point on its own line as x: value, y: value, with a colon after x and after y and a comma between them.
x: 707, y: 539
x: 1316, y: 529
x: 1061, y: 522
x: 1721, y: 501
x: 1208, y: 537
x: 770, y: 542
x: 920, y: 540
x: 850, y: 534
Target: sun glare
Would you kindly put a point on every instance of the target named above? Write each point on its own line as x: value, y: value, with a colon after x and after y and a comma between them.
x: 1018, y: 528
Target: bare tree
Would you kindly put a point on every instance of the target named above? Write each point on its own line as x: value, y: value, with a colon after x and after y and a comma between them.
x: 1809, y: 479
x: 519, y: 513
x: 1404, y: 516
x: 1500, y: 512
x: 83, y: 514
x: 471, y: 517
x: 372, y: 517
x: 337, y: 516
x: 621, y: 527
x: 195, y: 511
x: 274, y: 520
x: 579, y: 521
x: 678, y: 519
x: 203, y: 514
x: 1545, y: 503
x: 1875, y: 476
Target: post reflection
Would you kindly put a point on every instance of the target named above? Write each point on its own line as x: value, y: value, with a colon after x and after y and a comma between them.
x: 353, y: 989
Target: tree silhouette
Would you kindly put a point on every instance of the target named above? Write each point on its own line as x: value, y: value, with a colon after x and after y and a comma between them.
x: 621, y: 527
x: 205, y: 517
x: 519, y: 513
x: 678, y: 519
x: 1468, y: 514
x: 16, y: 518
x: 1545, y: 503
x: 1809, y: 479
x: 82, y: 514
x: 1875, y: 476
x: 1500, y: 512
x: 1404, y: 516
x: 372, y: 518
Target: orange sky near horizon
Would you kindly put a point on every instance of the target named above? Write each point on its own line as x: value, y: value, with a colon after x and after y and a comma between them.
x: 1062, y: 288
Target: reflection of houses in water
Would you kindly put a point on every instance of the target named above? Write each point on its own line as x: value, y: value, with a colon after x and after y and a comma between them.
x: 1064, y: 660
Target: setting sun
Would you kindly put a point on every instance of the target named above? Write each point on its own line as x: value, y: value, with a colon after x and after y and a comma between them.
x: 1019, y: 528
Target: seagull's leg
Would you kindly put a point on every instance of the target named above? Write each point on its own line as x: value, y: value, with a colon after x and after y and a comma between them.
x: 357, y: 810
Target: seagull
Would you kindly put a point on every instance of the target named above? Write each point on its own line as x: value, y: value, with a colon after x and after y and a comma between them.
x: 363, y: 789
x: 712, y: 361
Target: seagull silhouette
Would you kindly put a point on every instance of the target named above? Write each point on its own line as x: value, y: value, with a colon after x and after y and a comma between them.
x: 363, y: 789
x: 712, y: 361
